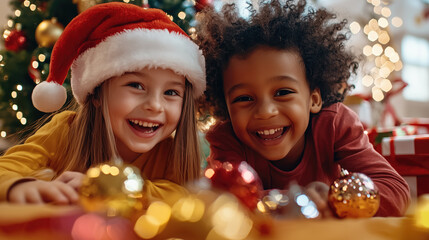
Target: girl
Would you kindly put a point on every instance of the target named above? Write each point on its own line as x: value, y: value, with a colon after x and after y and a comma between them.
x: 278, y: 79
x: 135, y: 75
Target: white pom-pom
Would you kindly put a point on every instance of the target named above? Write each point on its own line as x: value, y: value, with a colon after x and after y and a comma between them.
x: 49, y: 96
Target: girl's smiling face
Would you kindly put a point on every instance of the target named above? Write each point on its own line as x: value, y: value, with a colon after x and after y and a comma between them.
x: 269, y: 103
x: 144, y: 108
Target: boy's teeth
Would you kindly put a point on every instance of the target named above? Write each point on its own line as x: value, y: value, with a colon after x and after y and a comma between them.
x: 269, y: 131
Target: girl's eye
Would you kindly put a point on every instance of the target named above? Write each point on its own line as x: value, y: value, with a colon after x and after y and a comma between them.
x: 242, y: 99
x: 172, y: 92
x: 136, y: 85
x: 283, y: 92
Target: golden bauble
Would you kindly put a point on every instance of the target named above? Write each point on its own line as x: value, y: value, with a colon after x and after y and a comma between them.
x: 354, y: 196
x: 112, y: 189
x: 48, y: 32
x: 82, y: 5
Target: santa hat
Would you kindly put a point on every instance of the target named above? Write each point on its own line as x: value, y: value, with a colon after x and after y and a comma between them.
x: 110, y: 39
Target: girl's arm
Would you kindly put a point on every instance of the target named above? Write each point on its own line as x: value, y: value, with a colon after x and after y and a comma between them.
x: 23, y: 162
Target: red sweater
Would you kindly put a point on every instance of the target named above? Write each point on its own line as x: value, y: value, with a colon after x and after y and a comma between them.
x: 335, y: 137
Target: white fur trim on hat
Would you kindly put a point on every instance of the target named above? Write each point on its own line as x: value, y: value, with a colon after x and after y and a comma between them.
x: 49, y: 96
x: 133, y: 50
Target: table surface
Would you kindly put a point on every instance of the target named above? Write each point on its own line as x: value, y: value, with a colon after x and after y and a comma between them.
x: 45, y: 222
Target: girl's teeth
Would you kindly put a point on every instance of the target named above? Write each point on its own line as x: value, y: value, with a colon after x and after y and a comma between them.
x: 144, y: 124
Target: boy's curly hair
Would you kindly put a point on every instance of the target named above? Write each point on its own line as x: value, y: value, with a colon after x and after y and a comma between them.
x: 287, y: 26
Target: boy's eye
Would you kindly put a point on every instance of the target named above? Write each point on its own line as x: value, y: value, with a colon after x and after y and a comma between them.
x: 136, y: 85
x: 242, y: 99
x: 283, y: 92
x: 172, y: 92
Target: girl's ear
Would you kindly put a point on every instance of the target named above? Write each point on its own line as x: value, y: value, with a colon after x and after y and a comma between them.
x: 316, y: 101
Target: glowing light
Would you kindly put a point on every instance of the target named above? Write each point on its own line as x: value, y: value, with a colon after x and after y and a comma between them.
x: 17, y: 13
x: 1, y: 57
x: 41, y: 57
x: 15, y: 107
x: 14, y: 94
x: 105, y: 168
x: 23, y: 121
x: 209, y: 173
x: 354, y: 27
x: 377, y: 94
x: 33, y: 7
x: 93, y: 172
x: 19, y: 87
x: 375, y: 2
x: 394, y: 57
x: 377, y: 49
x: 132, y: 185
x: 382, y: 22
x: 302, y: 200
x: 372, y: 36
x: 160, y: 211
x: 389, y: 51
x: 27, y: 3
x: 181, y: 15
x: 10, y: 23
x: 188, y: 209
x: 397, y: 21
x: 6, y: 33
x: 377, y: 9
x: 366, y: 29
x: 386, y: 12
x: 3, y: 134
x: 373, y: 24
x: 384, y: 72
x: 398, y: 66
x: 248, y: 176
x: 383, y: 38
x: 19, y: 114
x: 367, y: 80
x: 35, y: 64
x: 367, y: 50
x: 386, y: 85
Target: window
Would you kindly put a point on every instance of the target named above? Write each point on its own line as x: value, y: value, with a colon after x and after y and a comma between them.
x: 415, y: 72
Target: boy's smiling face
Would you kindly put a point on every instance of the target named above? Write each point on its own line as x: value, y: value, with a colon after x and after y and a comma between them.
x: 269, y: 103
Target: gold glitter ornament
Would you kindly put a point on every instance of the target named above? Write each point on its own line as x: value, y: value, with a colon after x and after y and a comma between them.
x: 353, y: 195
x: 48, y: 32
x: 112, y: 189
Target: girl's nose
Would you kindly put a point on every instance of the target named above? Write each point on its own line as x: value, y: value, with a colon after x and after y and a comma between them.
x: 266, y: 109
x: 153, y: 102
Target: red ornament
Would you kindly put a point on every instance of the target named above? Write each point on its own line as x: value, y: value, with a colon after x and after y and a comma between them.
x: 201, y: 4
x: 239, y: 179
x: 34, y: 73
x: 15, y: 41
x: 426, y: 13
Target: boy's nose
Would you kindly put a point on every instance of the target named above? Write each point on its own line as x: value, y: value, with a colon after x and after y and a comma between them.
x: 266, y: 109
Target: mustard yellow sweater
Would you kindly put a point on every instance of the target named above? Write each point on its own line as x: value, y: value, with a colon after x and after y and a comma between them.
x: 30, y: 159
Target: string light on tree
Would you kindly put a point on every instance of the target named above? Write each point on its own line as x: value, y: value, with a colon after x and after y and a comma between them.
x: 379, y: 52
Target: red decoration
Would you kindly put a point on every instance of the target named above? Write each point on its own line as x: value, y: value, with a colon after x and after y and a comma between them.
x: 238, y: 178
x: 34, y: 72
x: 15, y: 41
x: 201, y: 4
x: 426, y: 13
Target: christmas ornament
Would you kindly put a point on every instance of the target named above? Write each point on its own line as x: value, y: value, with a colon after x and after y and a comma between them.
x: 15, y: 41
x: 82, y: 5
x: 201, y: 4
x: 48, y: 32
x: 112, y: 189
x: 421, y: 215
x: 290, y: 203
x: 238, y: 178
x: 353, y: 195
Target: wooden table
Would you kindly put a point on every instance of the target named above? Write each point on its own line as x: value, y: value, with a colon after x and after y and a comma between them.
x: 47, y: 222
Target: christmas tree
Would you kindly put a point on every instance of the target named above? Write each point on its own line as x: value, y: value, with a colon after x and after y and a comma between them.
x: 28, y: 40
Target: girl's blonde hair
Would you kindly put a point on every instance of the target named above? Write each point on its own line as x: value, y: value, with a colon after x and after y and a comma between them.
x: 91, y: 140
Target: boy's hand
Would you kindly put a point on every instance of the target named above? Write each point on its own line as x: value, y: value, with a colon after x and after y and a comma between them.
x: 318, y: 193
x: 61, y: 191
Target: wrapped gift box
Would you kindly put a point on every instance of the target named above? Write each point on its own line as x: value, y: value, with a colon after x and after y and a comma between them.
x: 376, y: 135
x: 409, y: 155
